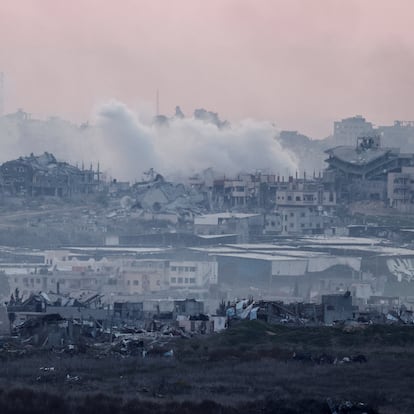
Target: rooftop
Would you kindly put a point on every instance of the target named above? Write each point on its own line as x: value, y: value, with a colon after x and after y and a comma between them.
x: 359, y: 157
x: 213, y: 219
x: 341, y: 241
x: 259, y: 256
x: 375, y: 250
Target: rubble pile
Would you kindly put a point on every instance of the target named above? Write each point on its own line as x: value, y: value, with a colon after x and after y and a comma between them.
x: 159, y: 196
x: 98, y: 343
x: 275, y: 312
x: 323, y: 359
x: 62, y: 324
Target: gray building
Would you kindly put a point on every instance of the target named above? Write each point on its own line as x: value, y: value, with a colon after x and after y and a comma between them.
x: 348, y: 130
x: 337, y: 308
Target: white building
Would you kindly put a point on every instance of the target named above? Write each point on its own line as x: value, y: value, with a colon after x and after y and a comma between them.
x: 297, y: 220
x: 192, y: 274
x: 305, y: 194
x: 143, y: 276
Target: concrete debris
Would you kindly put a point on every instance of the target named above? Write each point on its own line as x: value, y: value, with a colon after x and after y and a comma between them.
x: 349, y: 407
x: 275, y: 312
x: 70, y: 378
x: 43, y: 175
x: 326, y: 359
x: 163, y: 197
x: 47, y: 369
x: 335, y: 310
x: 96, y: 330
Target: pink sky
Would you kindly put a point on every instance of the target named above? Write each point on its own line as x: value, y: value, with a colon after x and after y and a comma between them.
x: 299, y: 63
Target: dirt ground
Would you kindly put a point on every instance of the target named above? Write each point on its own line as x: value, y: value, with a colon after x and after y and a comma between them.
x: 250, y: 365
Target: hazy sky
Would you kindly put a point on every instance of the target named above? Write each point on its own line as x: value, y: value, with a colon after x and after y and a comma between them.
x: 299, y: 63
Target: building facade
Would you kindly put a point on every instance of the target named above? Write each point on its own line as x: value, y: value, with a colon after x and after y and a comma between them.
x: 43, y: 175
x: 348, y: 130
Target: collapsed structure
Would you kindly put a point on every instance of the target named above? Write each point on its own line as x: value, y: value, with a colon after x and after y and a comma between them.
x: 43, y: 175
x: 362, y: 172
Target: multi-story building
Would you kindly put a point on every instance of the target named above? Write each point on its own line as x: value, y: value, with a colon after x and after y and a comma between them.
x: 302, y: 207
x: 143, y: 276
x: 69, y: 273
x: 58, y: 281
x: 400, y: 189
x: 244, y: 191
x: 44, y: 175
x: 348, y: 130
x: 273, y: 223
x: 303, y: 220
x: 400, y: 134
x: 302, y: 193
x: 360, y: 172
x: 192, y: 274
x: 244, y: 225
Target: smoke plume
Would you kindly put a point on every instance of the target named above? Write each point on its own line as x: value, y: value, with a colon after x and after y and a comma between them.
x: 126, y: 145
x: 183, y: 146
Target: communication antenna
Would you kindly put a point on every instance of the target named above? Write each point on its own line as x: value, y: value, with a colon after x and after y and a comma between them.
x: 158, y: 103
x: 1, y: 93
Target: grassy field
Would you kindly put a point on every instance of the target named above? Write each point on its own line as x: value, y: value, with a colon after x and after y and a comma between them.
x: 248, y: 369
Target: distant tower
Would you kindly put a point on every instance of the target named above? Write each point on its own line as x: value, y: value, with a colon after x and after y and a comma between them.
x: 157, y: 103
x: 1, y: 93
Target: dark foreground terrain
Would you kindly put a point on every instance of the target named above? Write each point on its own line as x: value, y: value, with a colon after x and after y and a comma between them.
x: 251, y: 368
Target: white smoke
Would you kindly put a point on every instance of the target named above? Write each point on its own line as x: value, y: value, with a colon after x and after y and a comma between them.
x: 126, y: 145
x: 185, y: 146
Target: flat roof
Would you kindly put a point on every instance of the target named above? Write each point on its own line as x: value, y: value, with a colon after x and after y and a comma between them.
x: 215, y: 236
x: 258, y: 256
x: 212, y: 219
x: 380, y: 250
x: 120, y: 249
x: 258, y: 246
x: 261, y: 248
x: 326, y: 240
x: 212, y: 250
x: 306, y: 254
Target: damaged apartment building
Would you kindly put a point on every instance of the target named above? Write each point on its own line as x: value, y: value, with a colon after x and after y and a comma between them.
x: 43, y: 175
x: 296, y: 205
x: 302, y: 207
x: 368, y: 171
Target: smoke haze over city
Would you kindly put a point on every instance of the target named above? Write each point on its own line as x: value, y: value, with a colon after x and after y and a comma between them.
x: 206, y: 206
x: 126, y: 144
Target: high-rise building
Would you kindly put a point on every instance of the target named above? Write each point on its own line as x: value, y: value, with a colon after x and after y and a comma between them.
x: 348, y: 130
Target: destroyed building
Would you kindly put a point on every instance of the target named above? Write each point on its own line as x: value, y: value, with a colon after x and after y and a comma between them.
x: 400, y: 190
x: 244, y: 191
x: 63, y: 306
x: 43, y: 175
x: 360, y: 172
x: 337, y: 308
x: 162, y: 198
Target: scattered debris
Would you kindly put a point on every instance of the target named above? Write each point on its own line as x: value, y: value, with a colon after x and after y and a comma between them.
x: 324, y: 358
